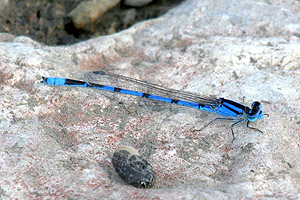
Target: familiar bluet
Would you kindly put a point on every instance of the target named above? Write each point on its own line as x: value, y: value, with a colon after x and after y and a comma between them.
x: 230, y: 110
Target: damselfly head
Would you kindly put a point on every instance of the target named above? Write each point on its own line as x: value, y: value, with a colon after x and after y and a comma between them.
x: 44, y: 79
x: 255, y: 112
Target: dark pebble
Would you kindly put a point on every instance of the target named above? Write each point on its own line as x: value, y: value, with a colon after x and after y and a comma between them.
x: 132, y: 168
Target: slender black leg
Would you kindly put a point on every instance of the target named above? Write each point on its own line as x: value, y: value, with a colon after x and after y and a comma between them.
x: 253, y: 127
x: 236, y: 123
x: 216, y: 119
x: 228, y: 119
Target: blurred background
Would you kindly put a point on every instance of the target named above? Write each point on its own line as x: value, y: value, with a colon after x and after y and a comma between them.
x: 60, y: 22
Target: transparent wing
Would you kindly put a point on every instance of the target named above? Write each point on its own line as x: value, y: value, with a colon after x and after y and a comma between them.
x: 115, y: 80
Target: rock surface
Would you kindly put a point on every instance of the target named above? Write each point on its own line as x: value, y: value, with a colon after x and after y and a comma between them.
x: 57, y: 142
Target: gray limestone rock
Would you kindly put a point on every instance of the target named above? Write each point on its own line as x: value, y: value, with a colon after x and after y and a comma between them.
x: 57, y: 142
